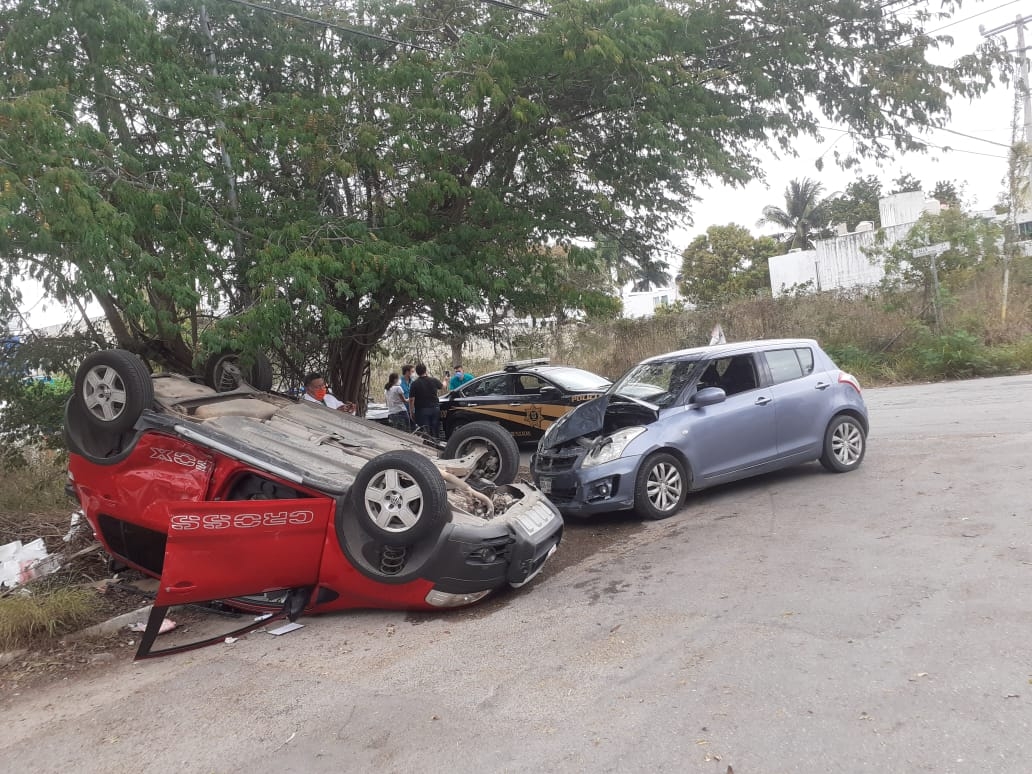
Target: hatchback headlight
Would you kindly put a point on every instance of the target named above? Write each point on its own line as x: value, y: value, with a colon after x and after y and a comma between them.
x: 611, y: 447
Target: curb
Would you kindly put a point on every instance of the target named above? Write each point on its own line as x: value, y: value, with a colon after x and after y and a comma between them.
x: 112, y: 625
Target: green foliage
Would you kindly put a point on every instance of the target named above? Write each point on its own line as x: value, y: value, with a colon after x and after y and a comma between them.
x: 727, y: 262
x: 954, y: 355
x: 973, y: 249
x: 318, y: 186
x: 31, y: 416
x: 859, y: 202
x: 906, y: 183
x: 804, y: 215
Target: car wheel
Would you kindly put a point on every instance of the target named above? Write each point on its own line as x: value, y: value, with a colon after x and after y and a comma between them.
x: 400, y: 498
x: 222, y: 372
x: 660, y: 487
x: 502, y: 462
x: 114, y: 387
x: 845, y: 443
x: 93, y: 443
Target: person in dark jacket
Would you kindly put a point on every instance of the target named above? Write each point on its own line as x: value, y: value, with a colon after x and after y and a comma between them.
x: 426, y: 408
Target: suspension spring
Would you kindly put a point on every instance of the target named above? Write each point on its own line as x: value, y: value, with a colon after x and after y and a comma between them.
x: 392, y: 559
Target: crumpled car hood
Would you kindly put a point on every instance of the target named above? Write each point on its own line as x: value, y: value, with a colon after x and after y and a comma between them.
x: 587, y: 418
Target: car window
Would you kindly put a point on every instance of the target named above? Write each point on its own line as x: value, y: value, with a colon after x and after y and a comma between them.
x: 731, y: 374
x: 489, y: 385
x: 658, y: 382
x: 788, y: 364
x: 529, y: 384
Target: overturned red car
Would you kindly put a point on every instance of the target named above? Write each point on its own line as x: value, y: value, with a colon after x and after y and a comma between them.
x: 270, y: 504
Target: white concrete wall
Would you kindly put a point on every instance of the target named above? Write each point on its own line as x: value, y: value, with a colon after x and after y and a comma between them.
x: 834, y: 263
x: 905, y: 208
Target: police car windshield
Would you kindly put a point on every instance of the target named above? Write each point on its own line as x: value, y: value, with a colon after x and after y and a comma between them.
x: 575, y: 379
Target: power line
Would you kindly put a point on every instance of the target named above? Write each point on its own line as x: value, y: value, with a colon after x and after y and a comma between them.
x: 972, y: 16
x: 926, y: 142
x: 329, y: 25
x: 523, y: 9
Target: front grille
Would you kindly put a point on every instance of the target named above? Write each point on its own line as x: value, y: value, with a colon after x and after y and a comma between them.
x: 138, y: 545
x: 556, y: 460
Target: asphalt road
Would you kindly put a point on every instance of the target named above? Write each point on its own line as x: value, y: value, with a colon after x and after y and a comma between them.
x: 802, y: 622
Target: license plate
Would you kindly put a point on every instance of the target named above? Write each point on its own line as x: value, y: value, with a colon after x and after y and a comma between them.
x: 536, y: 519
x: 545, y: 484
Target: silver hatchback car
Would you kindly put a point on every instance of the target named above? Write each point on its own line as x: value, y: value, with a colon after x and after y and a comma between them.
x: 692, y: 419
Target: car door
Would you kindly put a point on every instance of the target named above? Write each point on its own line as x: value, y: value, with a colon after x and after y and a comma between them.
x: 235, y: 548
x: 732, y: 438
x: 491, y: 398
x: 541, y: 403
x: 231, y: 548
x: 799, y: 393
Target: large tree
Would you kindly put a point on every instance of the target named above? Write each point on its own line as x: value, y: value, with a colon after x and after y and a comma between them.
x: 726, y: 262
x: 859, y: 202
x: 315, y: 180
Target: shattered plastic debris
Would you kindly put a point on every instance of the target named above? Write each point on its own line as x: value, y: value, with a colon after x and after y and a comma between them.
x: 230, y: 640
x: 20, y: 563
x: 286, y: 628
x: 167, y: 625
x: 74, y: 525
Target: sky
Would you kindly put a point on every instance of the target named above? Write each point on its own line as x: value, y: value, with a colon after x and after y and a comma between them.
x: 975, y: 163
x: 978, y: 166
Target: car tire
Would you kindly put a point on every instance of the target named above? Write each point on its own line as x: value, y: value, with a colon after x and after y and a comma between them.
x: 503, y: 461
x: 845, y: 443
x: 222, y: 372
x: 82, y: 437
x: 113, y: 387
x: 660, y: 487
x: 400, y: 498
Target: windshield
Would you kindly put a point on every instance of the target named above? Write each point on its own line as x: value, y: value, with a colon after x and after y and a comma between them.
x: 658, y: 382
x: 574, y: 379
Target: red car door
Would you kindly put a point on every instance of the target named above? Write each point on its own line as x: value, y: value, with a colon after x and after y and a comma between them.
x: 231, y: 548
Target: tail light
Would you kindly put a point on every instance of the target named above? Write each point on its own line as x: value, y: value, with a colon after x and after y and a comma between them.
x: 849, y: 379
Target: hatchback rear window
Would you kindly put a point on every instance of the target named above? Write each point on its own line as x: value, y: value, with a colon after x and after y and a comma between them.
x: 788, y: 364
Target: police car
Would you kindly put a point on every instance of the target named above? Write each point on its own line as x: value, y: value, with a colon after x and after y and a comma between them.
x: 525, y: 398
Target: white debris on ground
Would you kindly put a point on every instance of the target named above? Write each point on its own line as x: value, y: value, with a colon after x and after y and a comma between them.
x: 23, y: 562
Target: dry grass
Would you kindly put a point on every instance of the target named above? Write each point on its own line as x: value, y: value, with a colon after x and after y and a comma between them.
x: 30, y: 619
x: 33, y: 502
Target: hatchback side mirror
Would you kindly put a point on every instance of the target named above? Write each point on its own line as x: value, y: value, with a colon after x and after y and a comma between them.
x: 707, y: 396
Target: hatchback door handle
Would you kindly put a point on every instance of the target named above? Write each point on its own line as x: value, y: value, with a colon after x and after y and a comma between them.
x: 822, y: 386
x: 763, y: 400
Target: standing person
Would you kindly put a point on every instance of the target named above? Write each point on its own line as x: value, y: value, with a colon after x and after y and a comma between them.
x: 459, y: 378
x: 316, y: 392
x: 397, y: 407
x: 406, y: 378
x: 425, y: 406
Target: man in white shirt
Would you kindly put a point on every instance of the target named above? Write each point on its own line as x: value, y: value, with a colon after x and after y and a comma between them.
x: 316, y: 392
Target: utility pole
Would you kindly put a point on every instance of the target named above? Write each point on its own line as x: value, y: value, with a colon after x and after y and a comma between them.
x: 1021, y: 193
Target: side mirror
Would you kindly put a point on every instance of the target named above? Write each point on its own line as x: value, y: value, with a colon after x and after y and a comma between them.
x: 707, y: 396
x: 549, y: 390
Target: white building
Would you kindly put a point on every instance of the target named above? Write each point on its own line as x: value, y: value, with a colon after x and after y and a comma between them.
x: 840, y: 262
x: 645, y: 303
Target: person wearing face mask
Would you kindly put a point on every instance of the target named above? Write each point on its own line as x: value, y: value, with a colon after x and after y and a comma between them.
x: 316, y: 392
x: 459, y: 378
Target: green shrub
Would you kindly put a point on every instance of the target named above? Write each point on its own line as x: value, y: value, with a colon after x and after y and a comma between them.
x: 953, y: 355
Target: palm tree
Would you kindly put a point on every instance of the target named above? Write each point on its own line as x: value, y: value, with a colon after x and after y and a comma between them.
x: 804, y: 212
